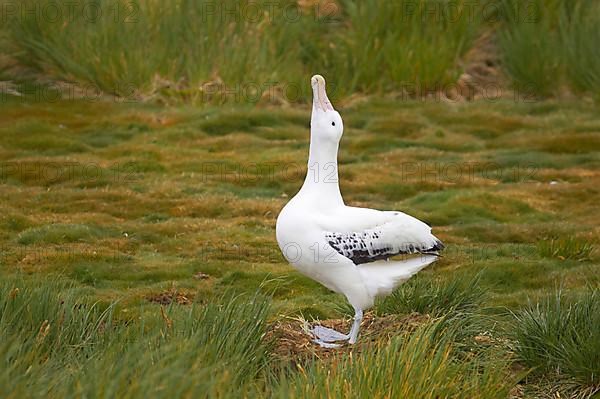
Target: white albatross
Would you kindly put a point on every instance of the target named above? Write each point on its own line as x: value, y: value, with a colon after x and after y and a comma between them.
x: 347, y: 249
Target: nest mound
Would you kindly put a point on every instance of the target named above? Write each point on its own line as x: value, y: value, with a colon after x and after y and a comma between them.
x: 169, y: 297
x: 292, y: 339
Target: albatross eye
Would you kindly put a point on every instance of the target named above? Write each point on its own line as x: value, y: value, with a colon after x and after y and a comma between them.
x: 332, y: 123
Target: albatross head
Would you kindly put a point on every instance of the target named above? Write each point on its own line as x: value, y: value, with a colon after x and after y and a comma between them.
x: 325, y: 121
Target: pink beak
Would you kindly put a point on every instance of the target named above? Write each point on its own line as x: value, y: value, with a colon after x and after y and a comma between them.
x: 320, y: 100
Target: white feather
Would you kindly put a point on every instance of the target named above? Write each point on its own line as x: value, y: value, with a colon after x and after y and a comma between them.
x: 381, y: 277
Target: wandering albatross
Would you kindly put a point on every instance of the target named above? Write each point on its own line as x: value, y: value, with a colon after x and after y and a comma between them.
x: 347, y: 249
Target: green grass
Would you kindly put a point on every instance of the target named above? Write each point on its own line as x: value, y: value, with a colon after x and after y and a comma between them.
x: 55, y: 344
x: 150, y: 204
x: 460, y: 294
x: 404, y: 48
x: 109, y: 207
x: 578, y: 34
x: 547, y: 46
x: 529, y: 42
x: 183, y: 54
x: 152, y: 192
x: 417, y: 366
x: 560, y: 336
x: 60, y: 234
x: 566, y: 248
x: 410, y: 48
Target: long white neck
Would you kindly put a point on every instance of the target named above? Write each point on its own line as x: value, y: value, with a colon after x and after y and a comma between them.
x: 322, y: 181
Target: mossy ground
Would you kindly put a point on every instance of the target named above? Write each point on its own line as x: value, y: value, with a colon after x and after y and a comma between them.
x: 132, y: 200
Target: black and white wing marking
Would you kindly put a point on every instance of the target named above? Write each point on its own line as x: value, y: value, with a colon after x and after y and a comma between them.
x: 376, y: 244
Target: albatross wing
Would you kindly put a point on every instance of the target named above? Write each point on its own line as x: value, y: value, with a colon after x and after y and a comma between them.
x: 366, y: 235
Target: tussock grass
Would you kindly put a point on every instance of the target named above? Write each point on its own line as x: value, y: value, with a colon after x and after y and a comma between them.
x: 420, y: 365
x: 55, y: 343
x: 189, y: 47
x: 42, y: 329
x: 529, y: 45
x: 408, y: 45
x: 413, y: 47
x: 560, y: 336
x: 579, y: 33
x: 436, y: 298
x: 566, y: 248
x: 548, y: 45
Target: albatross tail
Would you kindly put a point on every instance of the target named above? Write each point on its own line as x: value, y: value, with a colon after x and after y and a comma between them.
x: 382, y: 277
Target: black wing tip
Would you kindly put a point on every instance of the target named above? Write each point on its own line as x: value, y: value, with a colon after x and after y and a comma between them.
x: 435, y: 250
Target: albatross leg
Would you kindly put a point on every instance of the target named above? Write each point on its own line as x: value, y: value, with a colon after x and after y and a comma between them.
x: 325, y: 334
x: 326, y: 337
x: 355, y: 326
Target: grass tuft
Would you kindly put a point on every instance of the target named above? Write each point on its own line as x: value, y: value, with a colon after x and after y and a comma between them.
x: 561, y: 337
x: 547, y: 45
x: 410, y: 46
x: 53, y: 343
x: 419, y: 365
x: 436, y: 298
x: 566, y: 248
